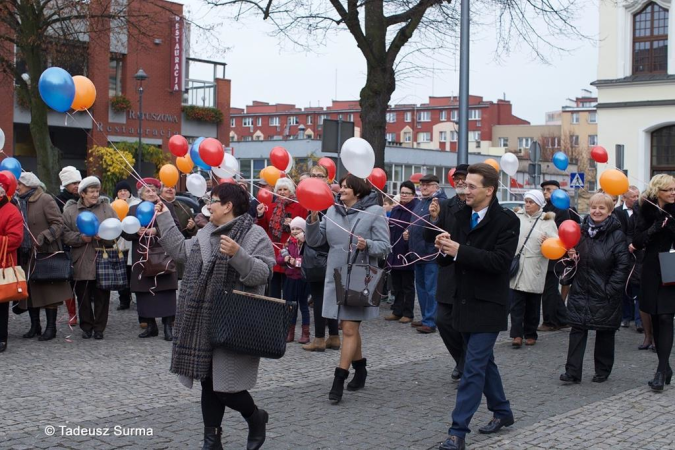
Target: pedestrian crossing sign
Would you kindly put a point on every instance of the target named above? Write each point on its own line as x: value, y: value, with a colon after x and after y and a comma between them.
x: 577, y: 180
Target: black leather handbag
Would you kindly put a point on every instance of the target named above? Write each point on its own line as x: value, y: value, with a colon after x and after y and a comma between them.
x: 51, y: 267
x: 515, y: 264
x: 667, y: 264
x: 251, y: 324
x: 158, y: 263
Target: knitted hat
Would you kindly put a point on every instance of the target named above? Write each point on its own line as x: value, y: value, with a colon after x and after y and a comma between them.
x: 29, y: 179
x: 88, y: 182
x: 299, y: 222
x: 120, y: 186
x: 287, y: 183
x: 68, y: 175
x: 536, y: 196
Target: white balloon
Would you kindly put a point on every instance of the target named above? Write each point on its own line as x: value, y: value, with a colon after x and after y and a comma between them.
x: 110, y: 229
x: 358, y: 157
x: 131, y: 225
x: 229, y: 168
x: 2, y: 139
x: 290, y: 162
x: 509, y: 164
x: 196, y: 185
x: 206, y: 212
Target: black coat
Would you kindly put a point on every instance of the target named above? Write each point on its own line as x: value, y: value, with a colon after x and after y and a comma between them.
x: 599, y: 282
x: 482, y: 269
x: 445, y: 286
x: 654, y: 238
x: 622, y: 215
x: 398, y: 222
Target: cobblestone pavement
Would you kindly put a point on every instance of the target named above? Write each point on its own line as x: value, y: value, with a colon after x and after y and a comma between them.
x: 124, y: 381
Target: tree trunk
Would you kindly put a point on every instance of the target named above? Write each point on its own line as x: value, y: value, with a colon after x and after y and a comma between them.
x: 375, y: 97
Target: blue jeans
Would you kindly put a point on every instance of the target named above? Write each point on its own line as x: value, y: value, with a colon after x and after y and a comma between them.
x: 480, y: 376
x: 426, y: 277
x: 631, y: 307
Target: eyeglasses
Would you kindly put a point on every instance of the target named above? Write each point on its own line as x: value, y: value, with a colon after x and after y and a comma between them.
x: 317, y: 175
x: 672, y: 190
x: 428, y: 184
x: 212, y: 200
x: 407, y: 193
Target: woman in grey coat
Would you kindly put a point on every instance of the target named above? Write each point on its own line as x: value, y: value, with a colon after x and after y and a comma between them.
x: 230, y: 252
x: 365, y: 219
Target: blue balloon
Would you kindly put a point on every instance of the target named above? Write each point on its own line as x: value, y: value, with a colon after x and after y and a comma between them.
x: 57, y: 89
x: 560, y: 199
x: 145, y: 212
x: 560, y: 160
x: 87, y: 223
x: 194, y: 154
x: 13, y: 165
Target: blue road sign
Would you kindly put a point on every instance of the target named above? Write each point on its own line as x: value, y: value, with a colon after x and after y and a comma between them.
x: 577, y: 180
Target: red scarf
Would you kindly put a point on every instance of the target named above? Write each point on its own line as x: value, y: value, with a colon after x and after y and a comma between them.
x: 277, y: 226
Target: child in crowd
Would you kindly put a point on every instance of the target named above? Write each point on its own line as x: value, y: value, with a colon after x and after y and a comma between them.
x: 296, y: 288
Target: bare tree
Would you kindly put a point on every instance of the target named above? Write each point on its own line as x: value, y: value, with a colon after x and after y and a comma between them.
x: 389, y: 32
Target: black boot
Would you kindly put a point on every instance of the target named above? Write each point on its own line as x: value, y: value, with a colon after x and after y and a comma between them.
x: 256, y: 429
x: 3, y: 346
x: 360, y: 374
x: 657, y: 383
x: 35, y: 328
x: 335, y: 394
x: 168, y: 328
x: 212, y: 438
x: 50, y: 329
x: 151, y: 330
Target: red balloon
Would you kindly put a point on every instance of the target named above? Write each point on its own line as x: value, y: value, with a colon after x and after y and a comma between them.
x: 599, y: 154
x: 329, y: 164
x: 314, y: 194
x: 378, y: 178
x: 178, y: 145
x: 265, y: 197
x: 280, y: 158
x: 451, y: 172
x: 12, y: 182
x: 227, y: 180
x: 211, y: 152
x: 569, y: 233
x: 416, y: 177
x: 335, y: 188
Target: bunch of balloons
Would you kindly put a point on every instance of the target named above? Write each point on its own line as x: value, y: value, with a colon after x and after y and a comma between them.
x: 11, y: 165
x: 121, y: 208
x: 358, y: 157
x: 314, y: 194
x: 62, y: 92
x: 110, y: 229
x: 87, y: 223
x: 145, y: 211
x: 569, y: 234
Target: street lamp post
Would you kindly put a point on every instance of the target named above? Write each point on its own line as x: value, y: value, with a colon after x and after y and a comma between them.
x: 463, y: 138
x: 140, y: 76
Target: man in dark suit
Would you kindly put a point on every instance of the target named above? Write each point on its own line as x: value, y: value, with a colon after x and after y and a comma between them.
x: 624, y: 213
x: 481, y: 246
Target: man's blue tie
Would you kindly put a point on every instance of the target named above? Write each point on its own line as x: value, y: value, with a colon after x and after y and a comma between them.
x: 474, y: 220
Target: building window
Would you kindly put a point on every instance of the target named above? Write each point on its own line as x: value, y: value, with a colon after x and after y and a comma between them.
x: 593, y: 117
x: 424, y: 116
x: 322, y: 117
x: 115, y: 78
x: 391, y: 137
x: 663, y: 150
x: 309, y: 119
x: 474, y: 114
x: 503, y: 142
x: 553, y: 142
x: 276, y: 138
x: 650, y: 40
x: 407, y: 136
x: 444, y: 116
x: 257, y: 137
x: 453, y: 136
x: 408, y: 116
x: 292, y: 120
x: 391, y: 117
x: 350, y: 117
x: 246, y: 138
x: 247, y: 121
x: 274, y: 121
x: 524, y: 142
x: 424, y: 137
x: 453, y: 115
x: 575, y: 117
x: 443, y: 136
x: 258, y: 121
x: 574, y: 140
x: 592, y: 140
x: 474, y: 136
x: 233, y: 122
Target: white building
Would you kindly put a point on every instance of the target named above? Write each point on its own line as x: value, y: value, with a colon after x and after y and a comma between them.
x: 636, y: 86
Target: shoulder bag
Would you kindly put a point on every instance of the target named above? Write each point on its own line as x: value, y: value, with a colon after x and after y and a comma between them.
x: 111, y: 269
x: 12, y: 278
x: 51, y: 267
x: 515, y: 264
x: 667, y: 263
x: 158, y: 263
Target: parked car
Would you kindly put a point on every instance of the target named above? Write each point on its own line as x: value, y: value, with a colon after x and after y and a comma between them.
x: 512, y: 204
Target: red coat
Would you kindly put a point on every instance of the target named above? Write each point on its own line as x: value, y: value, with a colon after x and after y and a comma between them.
x: 293, y: 210
x: 11, y: 226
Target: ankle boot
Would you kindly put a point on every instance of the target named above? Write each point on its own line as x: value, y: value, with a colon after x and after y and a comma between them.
x: 335, y: 394
x: 657, y: 383
x: 151, y: 330
x: 256, y: 429
x: 212, y: 438
x: 291, y: 333
x: 333, y: 342
x: 317, y: 345
x: 35, y: 328
x: 168, y: 328
x: 72, y: 311
x: 304, y: 337
x: 360, y: 374
x: 50, y: 329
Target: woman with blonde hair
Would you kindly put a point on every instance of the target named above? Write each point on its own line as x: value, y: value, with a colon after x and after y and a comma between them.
x: 655, y: 233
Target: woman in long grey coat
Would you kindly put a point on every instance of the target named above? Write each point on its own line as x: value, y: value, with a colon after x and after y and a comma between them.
x: 365, y: 219
x: 230, y: 252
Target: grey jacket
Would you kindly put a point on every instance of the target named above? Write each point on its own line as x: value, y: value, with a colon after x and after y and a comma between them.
x: 372, y: 226
x: 253, y: 262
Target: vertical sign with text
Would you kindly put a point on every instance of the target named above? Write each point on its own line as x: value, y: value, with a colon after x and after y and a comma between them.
x: 177, y: 54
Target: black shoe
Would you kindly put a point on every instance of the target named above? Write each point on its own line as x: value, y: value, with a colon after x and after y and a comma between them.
x: 644, y: 346
x: 150, y: 331
x: 639, y: 328
x: 3, y: 346
x: 456, y: 374
x: 256, y: 429
x: 212, y: 438
x: 87, y: 334
x: 658, y: 382
x: 599, y: 378
x: 122, y: 307
x: 50, y: 329
x: 360, y: 374
x: 669, y: 375
x: 35, y: 328
x: 453, y: 443
x: 168, y: 329
x: 496, y: 424
x: 336, y: 391
x: 567, y: 378
x: 625, y: 323
x: 98, y: 335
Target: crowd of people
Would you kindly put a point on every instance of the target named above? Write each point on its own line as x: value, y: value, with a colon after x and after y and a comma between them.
x: 470, y: 263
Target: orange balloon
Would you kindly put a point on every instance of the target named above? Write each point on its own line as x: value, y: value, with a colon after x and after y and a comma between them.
x: 85, y: 93
x: 271, y: 175
x: 121, y: 208
x: 614, y: 182
x: 169, y: 175
x: 492, y: 163
x: 553, y: 248
x: 185, y: 164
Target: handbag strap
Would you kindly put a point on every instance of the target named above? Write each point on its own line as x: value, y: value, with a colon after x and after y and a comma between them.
x: 528, y: 235
x: 3, y: 250
x: 356, y: 253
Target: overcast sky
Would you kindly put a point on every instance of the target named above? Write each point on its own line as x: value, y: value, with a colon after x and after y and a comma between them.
x: 261, y: 68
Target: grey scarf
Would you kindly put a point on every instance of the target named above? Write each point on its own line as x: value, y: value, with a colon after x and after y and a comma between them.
x: 593, y: 227
x: 26, y: 244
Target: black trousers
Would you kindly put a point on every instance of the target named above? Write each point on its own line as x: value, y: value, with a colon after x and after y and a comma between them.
x: 316, y: 289
x: 403, y: 283
x: 214, y: 404
x: 452, y: 338
x: 525, y: 308
x: 95, y: 318
x: 277, y: 285
x: 603, y: 354
x: 4, y: 321
x: 125, y: 294
x: 555, y: 312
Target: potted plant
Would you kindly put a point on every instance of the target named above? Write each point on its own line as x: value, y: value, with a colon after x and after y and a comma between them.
x: 203, y: 114
x: 120, y: 104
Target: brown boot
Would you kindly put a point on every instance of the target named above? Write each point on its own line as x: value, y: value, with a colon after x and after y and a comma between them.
x: 304, y: 337
x: 317, y: 345
x: 392, y: 316
x: 291, y: 333
x: 72, y: 311
x: 333, y: 342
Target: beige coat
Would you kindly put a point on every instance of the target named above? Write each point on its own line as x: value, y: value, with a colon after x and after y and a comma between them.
x: 533, y: 265
x: 83, y: 254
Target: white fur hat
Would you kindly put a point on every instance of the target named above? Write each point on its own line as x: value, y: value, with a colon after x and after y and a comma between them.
x: 536, y: 196
x: 88, y: 182
x: 299, y: 222
x: 285, y: 182
x: 68, y: 175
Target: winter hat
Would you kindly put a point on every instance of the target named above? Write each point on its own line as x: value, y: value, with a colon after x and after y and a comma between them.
x: 29, y: 179
x: 287, y: 183
x: 88, y: 182
x: 4, y: 184
x: 68, y: 175
x: 149, y: 181
x: 536, y: 196
x: 120, y: 186
x: 299, y: 222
